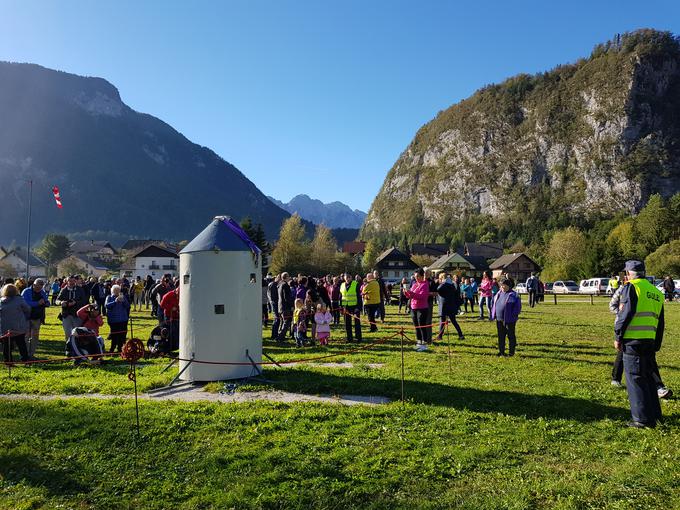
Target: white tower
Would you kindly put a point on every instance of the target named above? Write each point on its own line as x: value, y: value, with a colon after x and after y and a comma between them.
x: 220, y: 303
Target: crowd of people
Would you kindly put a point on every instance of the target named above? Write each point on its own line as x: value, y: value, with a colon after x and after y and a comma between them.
x: 84, y: 303
x: 304, y: 307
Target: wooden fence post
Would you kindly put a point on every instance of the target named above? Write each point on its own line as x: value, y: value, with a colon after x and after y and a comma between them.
x: 555, y: 298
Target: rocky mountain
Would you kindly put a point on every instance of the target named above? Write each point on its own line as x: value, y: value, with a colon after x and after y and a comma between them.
x: 333, y: 215
x: 121, y: 173
x: 582, y: 142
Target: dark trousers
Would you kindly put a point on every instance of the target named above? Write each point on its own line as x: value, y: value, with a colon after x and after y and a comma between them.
x: 287, y: 319
x: 428, y: 323
x: 372, y: 312
x: 335, y: 312
x: 419, y: 317
x: 275, y: 325
x: 452, y: 319
x: 381, y: 310
x: 117, y: 335
x: 20, y: 341
x: 356, y: 312
x: 638, y: 365
x: 484, y: 302
x: 506, y: 329
x: 100, y: 306
x: 617, y: 370
x: 532, y: 298
x: 472, y: 304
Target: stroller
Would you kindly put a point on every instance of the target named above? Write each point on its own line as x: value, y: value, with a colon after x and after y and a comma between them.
x: 84, y: 343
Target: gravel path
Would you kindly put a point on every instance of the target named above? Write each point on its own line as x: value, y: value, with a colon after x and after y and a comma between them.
x: 196, y: 394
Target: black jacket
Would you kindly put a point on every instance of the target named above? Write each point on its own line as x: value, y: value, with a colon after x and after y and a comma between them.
x: 285, y: 298
x: 449, y: 299
x: 75, y: 294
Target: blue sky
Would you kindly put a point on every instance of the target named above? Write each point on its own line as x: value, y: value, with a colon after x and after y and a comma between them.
x: 310, y: 97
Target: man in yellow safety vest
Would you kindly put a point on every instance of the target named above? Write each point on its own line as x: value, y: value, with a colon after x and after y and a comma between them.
x: 349, y: 292
x: 639, y: 330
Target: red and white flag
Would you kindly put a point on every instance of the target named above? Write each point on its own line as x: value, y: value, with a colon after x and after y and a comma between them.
x: 57, y: 196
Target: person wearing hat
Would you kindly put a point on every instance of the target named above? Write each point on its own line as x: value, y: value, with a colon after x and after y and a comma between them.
x: 638, y: 334
x: 505, y: 311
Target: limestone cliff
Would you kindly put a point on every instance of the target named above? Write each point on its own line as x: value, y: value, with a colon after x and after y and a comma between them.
x: 583, y: 141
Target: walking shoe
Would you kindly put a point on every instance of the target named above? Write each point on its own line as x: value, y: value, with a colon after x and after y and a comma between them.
x: 461, y: 337
x: 640, y: 425
x: 616, y: 384
x: 664, y: 392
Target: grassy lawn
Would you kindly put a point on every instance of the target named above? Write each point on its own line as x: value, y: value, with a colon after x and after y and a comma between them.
x: 541, y: 430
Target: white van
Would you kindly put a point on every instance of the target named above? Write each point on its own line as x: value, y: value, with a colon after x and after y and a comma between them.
x: 594, y: 286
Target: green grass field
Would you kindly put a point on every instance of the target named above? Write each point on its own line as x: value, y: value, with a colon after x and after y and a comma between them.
x: 541, y: 430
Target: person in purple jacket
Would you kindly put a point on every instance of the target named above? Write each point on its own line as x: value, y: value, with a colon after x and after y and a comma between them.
x: 505, y: 310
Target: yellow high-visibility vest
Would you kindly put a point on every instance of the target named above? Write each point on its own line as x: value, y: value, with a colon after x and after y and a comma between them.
x: 349, y: 295
x: 614, y: 283
x: 649, y: 306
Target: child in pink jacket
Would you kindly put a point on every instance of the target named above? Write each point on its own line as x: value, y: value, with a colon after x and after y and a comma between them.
x: 323, y: 319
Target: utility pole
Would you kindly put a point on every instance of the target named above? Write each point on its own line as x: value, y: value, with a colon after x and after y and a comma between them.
x: 28, y: 233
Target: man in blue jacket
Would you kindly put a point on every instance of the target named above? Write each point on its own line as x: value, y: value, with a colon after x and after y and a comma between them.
x: 36, y: 297
x: 639, y: 331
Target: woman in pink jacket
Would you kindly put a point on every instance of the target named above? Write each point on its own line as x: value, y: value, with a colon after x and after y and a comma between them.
x: 485, y: 294
x: 420, y: 308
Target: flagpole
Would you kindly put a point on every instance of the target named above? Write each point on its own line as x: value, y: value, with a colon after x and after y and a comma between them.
x: 28, y: 233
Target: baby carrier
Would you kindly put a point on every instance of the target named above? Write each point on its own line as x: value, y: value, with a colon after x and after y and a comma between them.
x: 84, y: 343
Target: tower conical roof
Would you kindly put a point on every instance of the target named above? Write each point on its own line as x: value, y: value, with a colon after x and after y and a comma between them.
x: 223, y: 234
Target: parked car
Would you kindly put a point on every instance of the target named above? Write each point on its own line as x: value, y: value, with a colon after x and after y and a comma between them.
x: 676, y: 293
x: 521, y: 288
x: 565, y: 287
x: 547, y: 287
x: 594, y: 286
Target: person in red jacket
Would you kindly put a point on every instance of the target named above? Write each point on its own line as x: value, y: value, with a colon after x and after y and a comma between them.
x: 90, y: 317
x: 170, y: 306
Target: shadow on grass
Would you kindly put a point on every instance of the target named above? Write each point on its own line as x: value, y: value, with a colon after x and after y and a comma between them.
x: 422, y: 392
x: 17, y: 467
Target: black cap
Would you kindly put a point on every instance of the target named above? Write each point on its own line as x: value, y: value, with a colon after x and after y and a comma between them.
x: 635, y: 266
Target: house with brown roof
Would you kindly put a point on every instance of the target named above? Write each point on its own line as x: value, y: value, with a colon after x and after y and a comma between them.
x: 457, y: 263
x: 429, y: 249
x: 154, y: 261
x: 488, y: 251
x: 395, y: 265
x: 518, y: 266
x: 102, y: 250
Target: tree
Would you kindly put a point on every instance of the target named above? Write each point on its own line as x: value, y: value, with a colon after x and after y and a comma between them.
x: 652, y: 225
x: 291, y: 251
x: 256, y: 234
x: 54, y: 247
x: 665, y: 260
x: 622, y: 240
x: 71, y: 267
x: 323, y: 250
x: 371, y: 252
x: 567, y: 255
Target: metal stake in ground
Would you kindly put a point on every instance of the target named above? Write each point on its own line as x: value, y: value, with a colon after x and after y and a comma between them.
x: 448, y: 343
x: 133, y: 351
x: 401, y: 338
